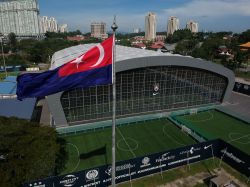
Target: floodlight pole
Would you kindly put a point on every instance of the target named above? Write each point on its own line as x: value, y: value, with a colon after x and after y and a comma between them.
x: 212, y: 150
x: 221, y: 158
x: 3, y: 57
x: 113, y: 27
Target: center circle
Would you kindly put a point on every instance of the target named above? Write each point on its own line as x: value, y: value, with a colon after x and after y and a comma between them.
x: 127, y: 144
x: 239, y: 137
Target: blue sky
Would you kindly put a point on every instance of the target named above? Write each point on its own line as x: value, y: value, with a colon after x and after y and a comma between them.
x: 212, y: 15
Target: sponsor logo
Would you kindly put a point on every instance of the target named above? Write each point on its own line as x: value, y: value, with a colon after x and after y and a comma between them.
x: 233, y: 157
x: 92, y: 174
x: 246, y: 87
x: 37, y: 184
x: 206, y: 147
x: 69, y: 180
x: 190, y: 151
x: 238, y: 85
x: 156, y: 89
x: 165, y: 157
x: 108, y: 171
x: 184, y: 160
x: 124, y: 167
x: 155, y: 93
x: 145, y: 162
x: 119, y: 168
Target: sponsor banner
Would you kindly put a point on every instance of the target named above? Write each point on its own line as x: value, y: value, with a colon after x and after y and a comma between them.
x: 41, y: 183
x: 235, y: 158
x: 242, y: 88
x: 150, y: 164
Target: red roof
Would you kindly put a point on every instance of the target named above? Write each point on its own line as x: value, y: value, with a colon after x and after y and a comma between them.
x: 157, y: 45
x: 246, y: 45
x: 75, y: 38
x: 140, y: 45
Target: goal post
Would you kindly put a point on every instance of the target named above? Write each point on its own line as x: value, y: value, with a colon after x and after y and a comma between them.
x: 186, y: 129
x: 193, y: 111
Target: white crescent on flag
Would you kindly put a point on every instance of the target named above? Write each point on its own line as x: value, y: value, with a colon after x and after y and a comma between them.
x: 99, y: 46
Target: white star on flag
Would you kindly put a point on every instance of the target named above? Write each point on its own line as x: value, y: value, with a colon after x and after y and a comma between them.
x: 78, y: 60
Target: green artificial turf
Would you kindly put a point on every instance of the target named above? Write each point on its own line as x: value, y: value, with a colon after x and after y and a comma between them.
x: 213, y: 124
x: 132, y: 141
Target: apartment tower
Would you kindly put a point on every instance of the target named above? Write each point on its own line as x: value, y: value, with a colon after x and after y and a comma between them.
x: 150, y: 26
x: 98, y: 30
x: 192, y: 26
x: 173, y: 25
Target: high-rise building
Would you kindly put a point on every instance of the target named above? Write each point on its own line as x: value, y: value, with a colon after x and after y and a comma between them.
x: 53, y: 25
x: 19, y: 17
x: 150, y: 26
x: 173, y: 25
x: 63, y: 28
x: 98, y: 30
x: 192, y: 26
x: 48, y: 24
x: 136, y: 30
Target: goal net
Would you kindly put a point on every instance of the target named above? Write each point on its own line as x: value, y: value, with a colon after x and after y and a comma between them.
x: 193, y: 111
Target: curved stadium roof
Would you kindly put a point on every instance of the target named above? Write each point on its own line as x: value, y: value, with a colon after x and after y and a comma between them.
x: 128, y: 58
x: 122, y: 53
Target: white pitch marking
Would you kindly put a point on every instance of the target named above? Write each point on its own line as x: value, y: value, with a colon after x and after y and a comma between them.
x: 78, y: 156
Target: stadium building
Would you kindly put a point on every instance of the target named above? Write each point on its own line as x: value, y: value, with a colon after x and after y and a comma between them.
x: 148, y: 82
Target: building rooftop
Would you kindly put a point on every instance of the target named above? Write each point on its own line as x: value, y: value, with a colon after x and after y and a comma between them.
x: 122, y: 53
x: 9, y: 105
x: 8, y: 85
x: 246, y: 45
x: 20, y: 109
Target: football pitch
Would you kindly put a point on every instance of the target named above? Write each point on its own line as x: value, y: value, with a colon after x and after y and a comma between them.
x: 92, y: 149
x: 213, y: 124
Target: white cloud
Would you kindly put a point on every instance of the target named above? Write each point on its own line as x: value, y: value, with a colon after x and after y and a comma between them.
x: 211, y: 8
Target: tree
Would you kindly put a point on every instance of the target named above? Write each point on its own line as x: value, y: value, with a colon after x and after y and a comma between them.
x: 186, y: 47
x: 12, y: 41
x: 179, y: 35
x: 244, y: 37
x: 28, y: 152
x: 208, y: 49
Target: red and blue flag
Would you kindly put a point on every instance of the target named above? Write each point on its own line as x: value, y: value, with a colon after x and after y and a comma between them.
x: 89, y: 69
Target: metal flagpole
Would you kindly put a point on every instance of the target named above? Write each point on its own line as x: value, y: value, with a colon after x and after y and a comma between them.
x: 113, y: 27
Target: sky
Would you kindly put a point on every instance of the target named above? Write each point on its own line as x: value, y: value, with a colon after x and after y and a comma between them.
x: 212, y: 15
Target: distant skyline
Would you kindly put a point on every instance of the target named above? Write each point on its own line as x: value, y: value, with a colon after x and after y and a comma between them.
x: 212, y: 15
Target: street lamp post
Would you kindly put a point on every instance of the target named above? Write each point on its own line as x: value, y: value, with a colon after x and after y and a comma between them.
x: 3, y: 57
x: 211, y: 146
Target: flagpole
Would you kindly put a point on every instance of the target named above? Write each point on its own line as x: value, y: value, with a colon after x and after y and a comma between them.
x: 113, y: 27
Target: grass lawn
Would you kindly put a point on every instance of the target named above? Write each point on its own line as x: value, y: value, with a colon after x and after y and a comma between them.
x: 214, y: 124
x: 132, y: 141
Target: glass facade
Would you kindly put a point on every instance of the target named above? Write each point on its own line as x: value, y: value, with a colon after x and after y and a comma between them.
x: 145, y: 90
x: 19, y: 17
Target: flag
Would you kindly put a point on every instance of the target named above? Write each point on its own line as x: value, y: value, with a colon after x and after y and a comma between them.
x: 89, y: 69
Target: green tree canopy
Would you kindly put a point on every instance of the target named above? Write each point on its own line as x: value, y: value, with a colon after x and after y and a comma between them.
x: 244, y: 36
x: 179, y: 35
x: 12, y: 41
x: 28, y: 152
